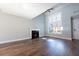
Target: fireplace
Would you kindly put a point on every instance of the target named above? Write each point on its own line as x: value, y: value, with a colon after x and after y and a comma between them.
x: 35, y: 34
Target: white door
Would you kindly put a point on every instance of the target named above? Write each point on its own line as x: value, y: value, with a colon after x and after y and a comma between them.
x: 76, y: 28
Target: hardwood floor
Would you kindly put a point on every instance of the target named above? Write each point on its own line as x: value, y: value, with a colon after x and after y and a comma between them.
x: 40, y: 47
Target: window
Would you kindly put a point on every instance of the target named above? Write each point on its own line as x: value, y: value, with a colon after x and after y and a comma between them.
x: 55, y: 23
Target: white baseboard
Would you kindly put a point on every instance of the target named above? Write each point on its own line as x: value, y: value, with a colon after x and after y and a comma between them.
x: 14, y: 40
x: 62, y: 37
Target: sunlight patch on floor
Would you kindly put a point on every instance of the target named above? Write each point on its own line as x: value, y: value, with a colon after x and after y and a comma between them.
x: 44, y: 38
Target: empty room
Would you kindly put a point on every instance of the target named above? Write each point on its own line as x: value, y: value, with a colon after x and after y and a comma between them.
x: 39, y: 29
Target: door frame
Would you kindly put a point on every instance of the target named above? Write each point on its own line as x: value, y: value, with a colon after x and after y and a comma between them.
x: 72, y: 29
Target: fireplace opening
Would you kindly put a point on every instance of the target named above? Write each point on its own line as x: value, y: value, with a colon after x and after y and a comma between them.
x: 35, y: 34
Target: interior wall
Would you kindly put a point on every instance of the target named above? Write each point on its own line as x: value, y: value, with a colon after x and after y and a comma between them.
x: 67, y: 11
x: 14, y: 28
x: 39, y: 24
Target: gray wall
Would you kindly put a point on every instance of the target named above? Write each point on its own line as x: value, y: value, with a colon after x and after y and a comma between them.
x: 39, y: 23
x: 13, y: 28
x: 67, y: 11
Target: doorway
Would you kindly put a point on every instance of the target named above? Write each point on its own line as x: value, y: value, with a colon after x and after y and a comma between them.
x: 75, y: 27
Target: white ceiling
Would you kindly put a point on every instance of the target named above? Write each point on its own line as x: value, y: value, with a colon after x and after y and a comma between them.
x: 27, y: 10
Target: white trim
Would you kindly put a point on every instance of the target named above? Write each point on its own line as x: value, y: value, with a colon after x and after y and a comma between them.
x: 64, y: 38
x: 14, y: 40
x: 61, y: 37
